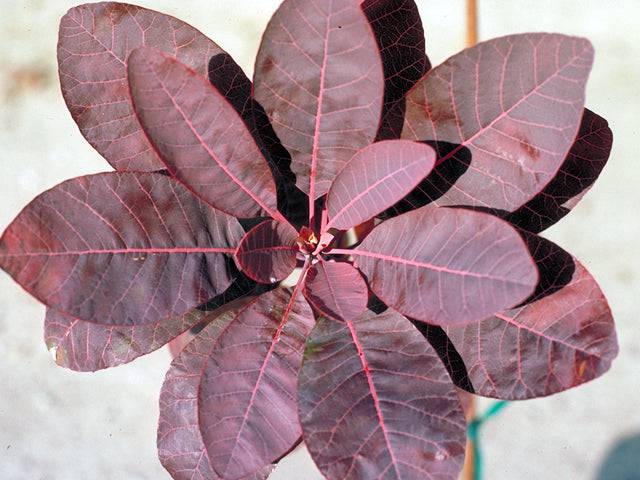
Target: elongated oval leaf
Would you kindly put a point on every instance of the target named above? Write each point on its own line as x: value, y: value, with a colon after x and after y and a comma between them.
x: 267, y: 253
x: 336, y: 289
x: 564, y: 338
x: 246, y: 396
x: 87, y: 347
x: 320, y: 79
x: 514, y: 103
x: 447, y: 266
x: 375, y: 178
x: 230, y: 80
x: 120, y: 248
x: 94, y: 43
x: 375, y: 402
x: 586, y: 159
x: 199, y: 135
x: 180, y: 446
x: 241, y: 429
x: 398, y: 29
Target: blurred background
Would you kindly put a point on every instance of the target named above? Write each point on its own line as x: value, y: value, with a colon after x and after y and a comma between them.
x: 60, y: 425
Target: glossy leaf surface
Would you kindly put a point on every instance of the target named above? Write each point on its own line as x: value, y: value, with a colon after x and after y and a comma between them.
x: 586, y: 159
x: 375, y: 178
x: 320, y: 79
x: 447, y: 266
x: 336, y: 289
x: 563, y: 338
x: 376, y: 402
x: 120, y: 248
x: 246, y: 407
x: 199, y: 135
x: 95, y: 41
x: 515, y: 103
x: 267, y: 253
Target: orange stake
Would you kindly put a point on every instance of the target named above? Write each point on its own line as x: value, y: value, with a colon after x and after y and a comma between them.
x: 472, y: 23
x: 469, y: 406
x: 472, y: 38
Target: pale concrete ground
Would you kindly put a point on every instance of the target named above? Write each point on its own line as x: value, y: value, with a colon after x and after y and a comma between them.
x: 60, y: 425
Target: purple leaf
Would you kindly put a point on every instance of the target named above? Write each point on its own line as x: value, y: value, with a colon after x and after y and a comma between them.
x: 336, y: 289
x: 95, y: 41
x: 180, y: 446
x: 199, y: 136
x: 120, y: 249
x: 398, y: 30
x: 376, y: 402
x: 230, y: 80
x: 515, y: 103
x: 374, y: 179
x: 447, y: 266
x: 267, y: 253
x: 320, y: 79
x: 243, y: 399
x: 586, y: 159
x: 88, y: 347
x: 249, y: 419
x: 496, y: 139
x: 561, y: 339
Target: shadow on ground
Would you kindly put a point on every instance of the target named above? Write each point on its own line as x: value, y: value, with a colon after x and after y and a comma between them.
x: 622, y: 461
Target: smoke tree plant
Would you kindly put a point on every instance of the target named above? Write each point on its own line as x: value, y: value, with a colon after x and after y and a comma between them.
x: 224, y: 187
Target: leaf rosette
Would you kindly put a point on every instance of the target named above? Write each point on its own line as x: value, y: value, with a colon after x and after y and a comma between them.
x: 226, y: 189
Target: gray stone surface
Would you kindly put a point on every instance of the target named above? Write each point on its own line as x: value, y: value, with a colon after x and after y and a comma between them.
x: 60, y: 425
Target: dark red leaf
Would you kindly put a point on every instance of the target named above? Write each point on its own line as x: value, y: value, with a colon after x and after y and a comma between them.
x: 237, y: 402
x: 336, y: 289
x: 376, y: 402
x: 514, y: 103
x: 200, y: 136
x: 320, y: 79
x: 398, y: 30
x: 375, y: 178
x: 580, y: 170
x: 447, y: 266
x: 120, y: 248
x: 561, y: 339
x: 87, y: 347
x: 129, y: 261
x: 95, y: 41
x: 267, y: 253
x: 180, y: 446
x: 230, y: 80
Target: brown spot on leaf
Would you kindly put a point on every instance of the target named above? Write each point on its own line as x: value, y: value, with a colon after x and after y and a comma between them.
x: 581, y: 368
x: 439, y: 113
x: 117, y: 11
x: 268, y: 64
x: 529, y: 149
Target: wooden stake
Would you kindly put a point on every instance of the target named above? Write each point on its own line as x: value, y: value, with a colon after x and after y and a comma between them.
x: 469, y: 407
x: 468, y: 472
x: 472, y: 23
